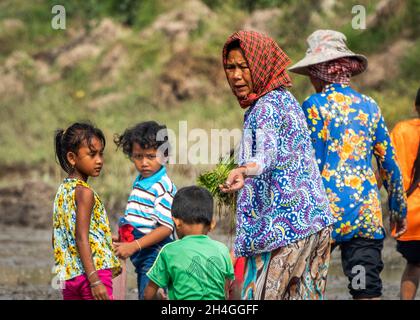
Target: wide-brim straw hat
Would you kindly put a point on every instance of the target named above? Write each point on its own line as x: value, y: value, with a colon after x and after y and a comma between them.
x: 326, y: 45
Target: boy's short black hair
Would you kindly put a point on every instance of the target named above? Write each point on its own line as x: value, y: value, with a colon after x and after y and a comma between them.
x: 193, y: 205
x: 417, y: 102
x: 147, y: 135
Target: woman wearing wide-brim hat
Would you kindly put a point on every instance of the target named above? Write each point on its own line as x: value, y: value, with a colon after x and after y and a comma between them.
x: 347, y: 130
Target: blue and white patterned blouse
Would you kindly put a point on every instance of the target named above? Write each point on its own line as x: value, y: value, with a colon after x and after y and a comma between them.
x: 287, y: 201
x: 347, y: 130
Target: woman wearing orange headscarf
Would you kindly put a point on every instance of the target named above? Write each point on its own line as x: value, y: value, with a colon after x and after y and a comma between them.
x: 406, y: 139
x: 283, y: 214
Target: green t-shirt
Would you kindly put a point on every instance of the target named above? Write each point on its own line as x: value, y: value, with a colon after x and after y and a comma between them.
x: 193, y: 268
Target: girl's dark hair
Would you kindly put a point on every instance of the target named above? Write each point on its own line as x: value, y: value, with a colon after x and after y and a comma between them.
x: 147, y: 135
x: 415, y: 174
x: 71, y: 139
x: 417, y: 102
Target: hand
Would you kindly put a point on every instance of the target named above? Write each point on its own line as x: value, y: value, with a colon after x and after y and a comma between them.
x: 161, y: 295
x: 400, y: 226
x: 124, y: 250
x: 99, y: 292
x: 234, y: 182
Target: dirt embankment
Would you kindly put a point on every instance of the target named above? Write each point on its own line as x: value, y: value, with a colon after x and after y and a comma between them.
x: 26, y: 199
x: 28, y: 205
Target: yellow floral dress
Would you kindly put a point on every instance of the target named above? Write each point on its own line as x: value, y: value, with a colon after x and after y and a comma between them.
x: 347, y: 131
x: 67, y: 260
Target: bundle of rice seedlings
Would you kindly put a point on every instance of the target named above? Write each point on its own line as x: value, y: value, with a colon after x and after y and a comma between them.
x: 226, y: 202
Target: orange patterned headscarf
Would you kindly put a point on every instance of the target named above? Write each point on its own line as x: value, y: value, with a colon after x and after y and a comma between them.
x: 266, y: 60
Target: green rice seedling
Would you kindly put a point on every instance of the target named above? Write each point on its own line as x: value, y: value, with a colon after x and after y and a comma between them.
x: 226, y: 202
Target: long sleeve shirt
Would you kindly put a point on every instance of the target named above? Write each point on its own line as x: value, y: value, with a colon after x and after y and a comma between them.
x: 286, y: 202
x: 347, y: 131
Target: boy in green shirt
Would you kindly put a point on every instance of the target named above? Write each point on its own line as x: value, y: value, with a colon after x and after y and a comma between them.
x: 194, y: 267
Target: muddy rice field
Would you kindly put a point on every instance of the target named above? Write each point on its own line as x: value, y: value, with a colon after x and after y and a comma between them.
x: 26, y: 262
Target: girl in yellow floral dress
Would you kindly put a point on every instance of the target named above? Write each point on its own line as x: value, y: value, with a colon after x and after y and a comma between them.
x: 83, y: 254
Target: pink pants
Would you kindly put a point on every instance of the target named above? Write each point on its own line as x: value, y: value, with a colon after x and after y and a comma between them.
x: 78, y: 288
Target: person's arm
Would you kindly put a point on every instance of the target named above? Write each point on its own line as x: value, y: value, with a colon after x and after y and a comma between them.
x: 126, y: 249
x: 230, y: 272
x: 267, y: 121
x: 401, y: 152
x: 85, y: 202
x: 318, y: 130
x: 265, y: 139
x: 391, y: 175
x: 228, y: 286
x: 150, y: 291
x: 233, y: 258
x: 236, y: 178
x: 162, y: 215
x: 115, y: 238
x: 158, y: 276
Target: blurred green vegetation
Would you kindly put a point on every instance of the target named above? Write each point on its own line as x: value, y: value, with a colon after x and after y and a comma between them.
x: 29, y: 118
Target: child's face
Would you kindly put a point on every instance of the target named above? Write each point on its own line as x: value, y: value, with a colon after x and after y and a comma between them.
x: 89, y: 160
x: 146, y: 161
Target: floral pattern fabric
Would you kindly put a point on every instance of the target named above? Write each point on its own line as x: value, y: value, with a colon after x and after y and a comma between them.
x: 294, y: 272
x: 67, y: 261
x: 286, y: 201
x: 347, y: 130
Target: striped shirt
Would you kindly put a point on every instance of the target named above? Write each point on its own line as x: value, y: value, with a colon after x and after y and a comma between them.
x: 149, y: 204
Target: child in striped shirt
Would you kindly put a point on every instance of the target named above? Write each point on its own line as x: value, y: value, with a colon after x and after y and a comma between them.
x: 147, y: 223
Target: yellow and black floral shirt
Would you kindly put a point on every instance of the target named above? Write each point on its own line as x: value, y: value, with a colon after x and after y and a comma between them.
x: 67, y: 260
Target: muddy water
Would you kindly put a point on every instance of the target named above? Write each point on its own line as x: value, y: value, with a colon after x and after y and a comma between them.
x: 26, y: 262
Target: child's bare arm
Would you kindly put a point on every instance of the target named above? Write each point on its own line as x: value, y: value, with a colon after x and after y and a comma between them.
x: 85, y: 201
x: 232, y: 257
x: 125, y: 250
x: 150, y: 291
x: 228, y: 284
x: 155, y: 236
